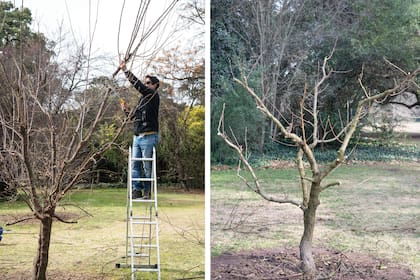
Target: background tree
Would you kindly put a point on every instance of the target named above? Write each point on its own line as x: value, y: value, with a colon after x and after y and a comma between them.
x: 181, y: 147
x: 181, y: 70
x: 286, y: 43
x: 178, y: 149
x: 14, y: 24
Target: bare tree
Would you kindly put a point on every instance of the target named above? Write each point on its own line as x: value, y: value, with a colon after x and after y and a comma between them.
x: 47, y: 125
x: 196, y: 12
x: 306, y: 138
x: 269, y: 38
x: 50, y: 113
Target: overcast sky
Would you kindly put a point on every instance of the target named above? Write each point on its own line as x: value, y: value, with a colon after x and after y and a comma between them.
x: 73, y: 15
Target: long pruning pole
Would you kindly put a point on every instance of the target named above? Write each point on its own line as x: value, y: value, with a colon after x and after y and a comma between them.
x: 140, y: 24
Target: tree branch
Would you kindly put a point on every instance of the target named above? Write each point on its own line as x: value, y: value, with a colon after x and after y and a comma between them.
x: 256, y: 183
x: 338, y: 183
x: 397, y: 89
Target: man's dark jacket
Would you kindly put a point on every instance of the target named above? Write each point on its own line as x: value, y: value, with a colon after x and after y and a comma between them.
x: 146, y: 115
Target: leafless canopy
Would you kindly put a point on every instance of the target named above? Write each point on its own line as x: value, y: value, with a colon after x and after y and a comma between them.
x: 308, y: 116
x: 143, y: 29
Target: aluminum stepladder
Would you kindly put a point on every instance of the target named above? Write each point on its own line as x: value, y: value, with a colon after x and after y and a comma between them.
x: 142, y: 232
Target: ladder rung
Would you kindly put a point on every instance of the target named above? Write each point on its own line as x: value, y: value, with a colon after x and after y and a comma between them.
x: 151, y: 266
x: 141, y: 266
x: 142, y: 179
x: 143, y: 200
x: 138, y: 236
x: 140, y: 218
x: 144, y: 223
x: 138, y: 255
x: 145, y: 246
x: 146, y: 269
x: 142, y: 159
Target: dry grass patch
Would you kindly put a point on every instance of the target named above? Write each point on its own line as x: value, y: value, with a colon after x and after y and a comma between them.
x: 374, y: 212
x: 91, y: 248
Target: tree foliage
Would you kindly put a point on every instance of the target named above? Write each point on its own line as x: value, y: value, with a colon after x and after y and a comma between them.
x: 14, y: 24
x: 285, y: 41
x: 181, y: 148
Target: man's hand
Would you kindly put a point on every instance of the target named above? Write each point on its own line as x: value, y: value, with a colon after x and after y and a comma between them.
x: 123, y: 66
x: 124, y: 106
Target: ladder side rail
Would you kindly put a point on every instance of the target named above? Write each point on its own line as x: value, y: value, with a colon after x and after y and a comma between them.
x: 127, y: 233
x: 128, y: 206
x: 149, y: 245
x: 132, y: 252
x: 154, y: 171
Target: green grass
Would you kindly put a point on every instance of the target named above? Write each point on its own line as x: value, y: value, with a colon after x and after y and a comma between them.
x: 93, y: 246
x: 375, y: 211
x: 372, y: 149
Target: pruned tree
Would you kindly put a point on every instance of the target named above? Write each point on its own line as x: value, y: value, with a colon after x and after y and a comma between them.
x: 51, y: 110
x: 47, y: 122
x: 47, y: 126
x: 311, y: 131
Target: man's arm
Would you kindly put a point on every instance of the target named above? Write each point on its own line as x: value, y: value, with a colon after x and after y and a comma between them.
x: 135, y: 81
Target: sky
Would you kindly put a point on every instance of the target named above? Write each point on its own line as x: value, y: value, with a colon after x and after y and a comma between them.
x: 101, y: 20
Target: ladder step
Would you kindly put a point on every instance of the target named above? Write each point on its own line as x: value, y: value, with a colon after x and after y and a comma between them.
x: 138, y: 236
x: 144, y: 223
x: 140, y: 218
x: 151, y: 266
x: 138, y: 255
x: 146, y: 269
x: 142, y: 159
x: 145, y: 246
x: 143, y: 200
x: 140, y: 266
x: 142, y: 179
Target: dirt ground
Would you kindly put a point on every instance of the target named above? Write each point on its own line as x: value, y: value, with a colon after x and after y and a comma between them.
x: 284, y: 264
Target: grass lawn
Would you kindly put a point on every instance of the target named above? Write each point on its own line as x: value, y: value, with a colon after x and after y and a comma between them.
x: 90, y: 248
x: 375, y: 211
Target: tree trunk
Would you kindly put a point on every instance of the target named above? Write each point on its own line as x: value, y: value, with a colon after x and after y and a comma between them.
x: 262, y: 138
x: 41, y: 259
x: 305, y: 247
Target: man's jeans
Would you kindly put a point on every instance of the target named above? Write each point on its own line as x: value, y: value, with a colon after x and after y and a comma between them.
x: 143, y: 148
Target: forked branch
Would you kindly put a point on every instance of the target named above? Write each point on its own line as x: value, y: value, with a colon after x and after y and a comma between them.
x: 399, y: 87
x: 255, y: 185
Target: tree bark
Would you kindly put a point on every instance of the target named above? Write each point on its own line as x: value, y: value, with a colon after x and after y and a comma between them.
x: 41, y: 259
x: 305, y: 247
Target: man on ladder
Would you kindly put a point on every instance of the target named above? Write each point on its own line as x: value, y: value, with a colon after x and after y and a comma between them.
x: 146, y: 129
x: 142, y: 242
